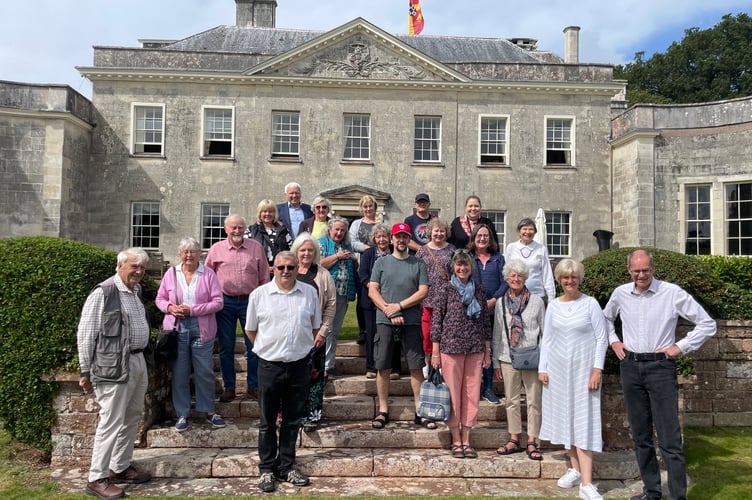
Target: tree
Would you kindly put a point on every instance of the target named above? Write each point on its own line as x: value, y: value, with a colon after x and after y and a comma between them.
x: 707, y: 65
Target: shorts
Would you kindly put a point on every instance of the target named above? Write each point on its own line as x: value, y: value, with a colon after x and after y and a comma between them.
x: 412, y: 342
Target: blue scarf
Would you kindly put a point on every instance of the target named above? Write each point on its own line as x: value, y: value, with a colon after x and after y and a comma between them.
x: 468, y: 297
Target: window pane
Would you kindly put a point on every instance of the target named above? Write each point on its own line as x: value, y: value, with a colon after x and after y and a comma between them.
x: 148, y: 130
x: 493, y: 140
x: 498, y: 221
x: 738, y: 218
x: 427, y: 143
x: 145, y: 225
x: 218, y: 132
x: 357, y: 137
x: 285, y: 134
x: 697, y: 240
x: 558, y: 233
x: 559, y: 141
x: 212, y: 223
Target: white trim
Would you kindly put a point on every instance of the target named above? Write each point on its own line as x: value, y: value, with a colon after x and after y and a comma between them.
x: 204, y: 109
x: 132, y: 141
x: 507, y: 119
x: 572, y: 142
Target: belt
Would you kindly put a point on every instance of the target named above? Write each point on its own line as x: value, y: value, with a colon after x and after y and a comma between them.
x: 136, y: 351
x: 236, y: 297
x: 645, y: 356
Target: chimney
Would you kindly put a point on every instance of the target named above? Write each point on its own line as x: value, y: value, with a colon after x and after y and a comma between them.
x: 256, y: 13
x: 572, y: 45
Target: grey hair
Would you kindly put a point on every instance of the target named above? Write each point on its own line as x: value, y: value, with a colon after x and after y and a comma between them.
x: 377, y: 228
x: 517, y: 266
x: 287, y: 255
x: 319, y: 199
x: 188, y: 242
x: 292, y: 185
x: 302, y: 238
x: 334, y: 220
x: 140, y: 255
x: 234, y: 216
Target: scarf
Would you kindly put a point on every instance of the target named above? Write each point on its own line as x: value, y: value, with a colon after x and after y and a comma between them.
x: 467, y: 225
x: 467, y: 292
x: 515, y: 307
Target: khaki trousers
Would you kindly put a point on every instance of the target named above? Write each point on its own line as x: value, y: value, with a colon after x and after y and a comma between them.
x: 514, y: 382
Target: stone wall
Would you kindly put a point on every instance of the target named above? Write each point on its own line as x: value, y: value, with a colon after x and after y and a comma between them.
x: 720, y: 394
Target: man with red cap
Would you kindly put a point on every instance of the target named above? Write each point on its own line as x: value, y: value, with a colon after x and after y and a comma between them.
x: 399, y: 282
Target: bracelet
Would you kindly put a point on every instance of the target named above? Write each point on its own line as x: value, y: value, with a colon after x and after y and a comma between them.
x: 400, y: 304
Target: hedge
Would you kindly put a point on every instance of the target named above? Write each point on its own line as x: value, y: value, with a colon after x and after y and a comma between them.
x: 45, y: 282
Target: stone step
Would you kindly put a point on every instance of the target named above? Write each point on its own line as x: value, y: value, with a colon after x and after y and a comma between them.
x: 376, y: 462
x: 74, y: 480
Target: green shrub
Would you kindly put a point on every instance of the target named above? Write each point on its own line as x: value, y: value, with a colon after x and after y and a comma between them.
x: 606, y: 270
x: 733, y: 269
x: 45, y: 282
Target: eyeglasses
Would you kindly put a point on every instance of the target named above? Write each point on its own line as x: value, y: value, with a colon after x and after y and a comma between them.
x: 285, y: 268
x: 322, y: 208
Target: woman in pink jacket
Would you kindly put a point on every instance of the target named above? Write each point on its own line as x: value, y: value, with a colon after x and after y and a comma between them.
x: 189, y: 296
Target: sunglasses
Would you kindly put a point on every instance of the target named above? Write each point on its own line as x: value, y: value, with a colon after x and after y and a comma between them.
x: 285, y: 268
x: 321, y: 208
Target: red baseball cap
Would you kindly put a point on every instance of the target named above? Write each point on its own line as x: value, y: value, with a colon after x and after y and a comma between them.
x: 400, y: 227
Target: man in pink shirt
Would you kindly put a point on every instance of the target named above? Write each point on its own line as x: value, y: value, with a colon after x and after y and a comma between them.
x: 241, y: 266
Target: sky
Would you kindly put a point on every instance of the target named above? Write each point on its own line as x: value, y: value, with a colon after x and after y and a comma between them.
x: 42, y: 41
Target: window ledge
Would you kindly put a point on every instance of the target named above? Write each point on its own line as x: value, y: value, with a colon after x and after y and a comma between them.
x: 560, y: 167
x: 217, y: 158
x: 148, y: 156
x: 284, y: 159
x: 356, y: 163
x: 428, y: 164
x: 500, y: 166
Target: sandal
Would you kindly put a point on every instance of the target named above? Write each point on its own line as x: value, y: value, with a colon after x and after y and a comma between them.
x: 426, y: 423
x: 508, y: 451
x: 457, y: 451
x: 469, y: 451
x: 535, y: 453
x: 380, y: 420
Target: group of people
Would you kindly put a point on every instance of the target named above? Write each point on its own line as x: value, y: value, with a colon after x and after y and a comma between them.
x: 439, y: 293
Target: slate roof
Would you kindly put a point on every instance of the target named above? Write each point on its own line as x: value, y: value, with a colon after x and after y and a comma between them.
x: 275, y: 41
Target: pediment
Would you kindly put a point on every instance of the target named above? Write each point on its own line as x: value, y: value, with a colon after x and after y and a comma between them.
x: 346, y: 199
x: 357, y: 51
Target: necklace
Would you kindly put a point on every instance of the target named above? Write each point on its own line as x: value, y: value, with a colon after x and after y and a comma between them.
x: 526, y: 249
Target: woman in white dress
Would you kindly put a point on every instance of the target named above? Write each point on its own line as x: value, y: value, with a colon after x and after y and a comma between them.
x: 575, y: 339
x: 541, y: 279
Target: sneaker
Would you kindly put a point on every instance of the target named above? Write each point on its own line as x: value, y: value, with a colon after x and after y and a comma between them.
x: 370, y: 374
x: 489, y: 396
x: 182, y: 424
x: 590, y: 492
x: 216, y: 420
x: 333, y: 374
x: 394, y: 376
x: 569, y: 480
x: 293, y: 477
x: 266, y: 482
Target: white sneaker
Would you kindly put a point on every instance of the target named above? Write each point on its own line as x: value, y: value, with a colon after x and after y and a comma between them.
x: 590, y: 492
x: 569, y: 480
x: 425, y: 371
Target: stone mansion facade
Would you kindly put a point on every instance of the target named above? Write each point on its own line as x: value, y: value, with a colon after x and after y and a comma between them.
x: 180, y: 133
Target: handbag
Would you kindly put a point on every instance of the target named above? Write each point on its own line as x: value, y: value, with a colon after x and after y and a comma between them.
x: 434, y: 401
x: 523, y: 358
x: 166, y: 347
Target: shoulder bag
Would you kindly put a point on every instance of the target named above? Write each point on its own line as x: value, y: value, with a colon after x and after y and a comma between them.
x: 166, y: 347
x: 523, y: 358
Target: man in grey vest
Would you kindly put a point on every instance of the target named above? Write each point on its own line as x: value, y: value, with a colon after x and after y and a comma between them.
x: 112, y: 334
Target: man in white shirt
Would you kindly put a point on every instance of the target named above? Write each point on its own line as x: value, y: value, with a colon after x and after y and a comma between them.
x: 649, y: 309
x: 283, y: 318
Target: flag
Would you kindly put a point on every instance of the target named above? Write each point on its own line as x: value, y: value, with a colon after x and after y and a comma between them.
x: 415, y: 21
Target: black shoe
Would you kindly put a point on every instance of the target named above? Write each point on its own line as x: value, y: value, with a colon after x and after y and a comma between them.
x: 293, y: 477
x: 361, y: 338
x: 266, y: 482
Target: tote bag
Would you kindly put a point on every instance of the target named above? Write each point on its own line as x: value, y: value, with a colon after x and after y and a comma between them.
x: 434, y: 402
